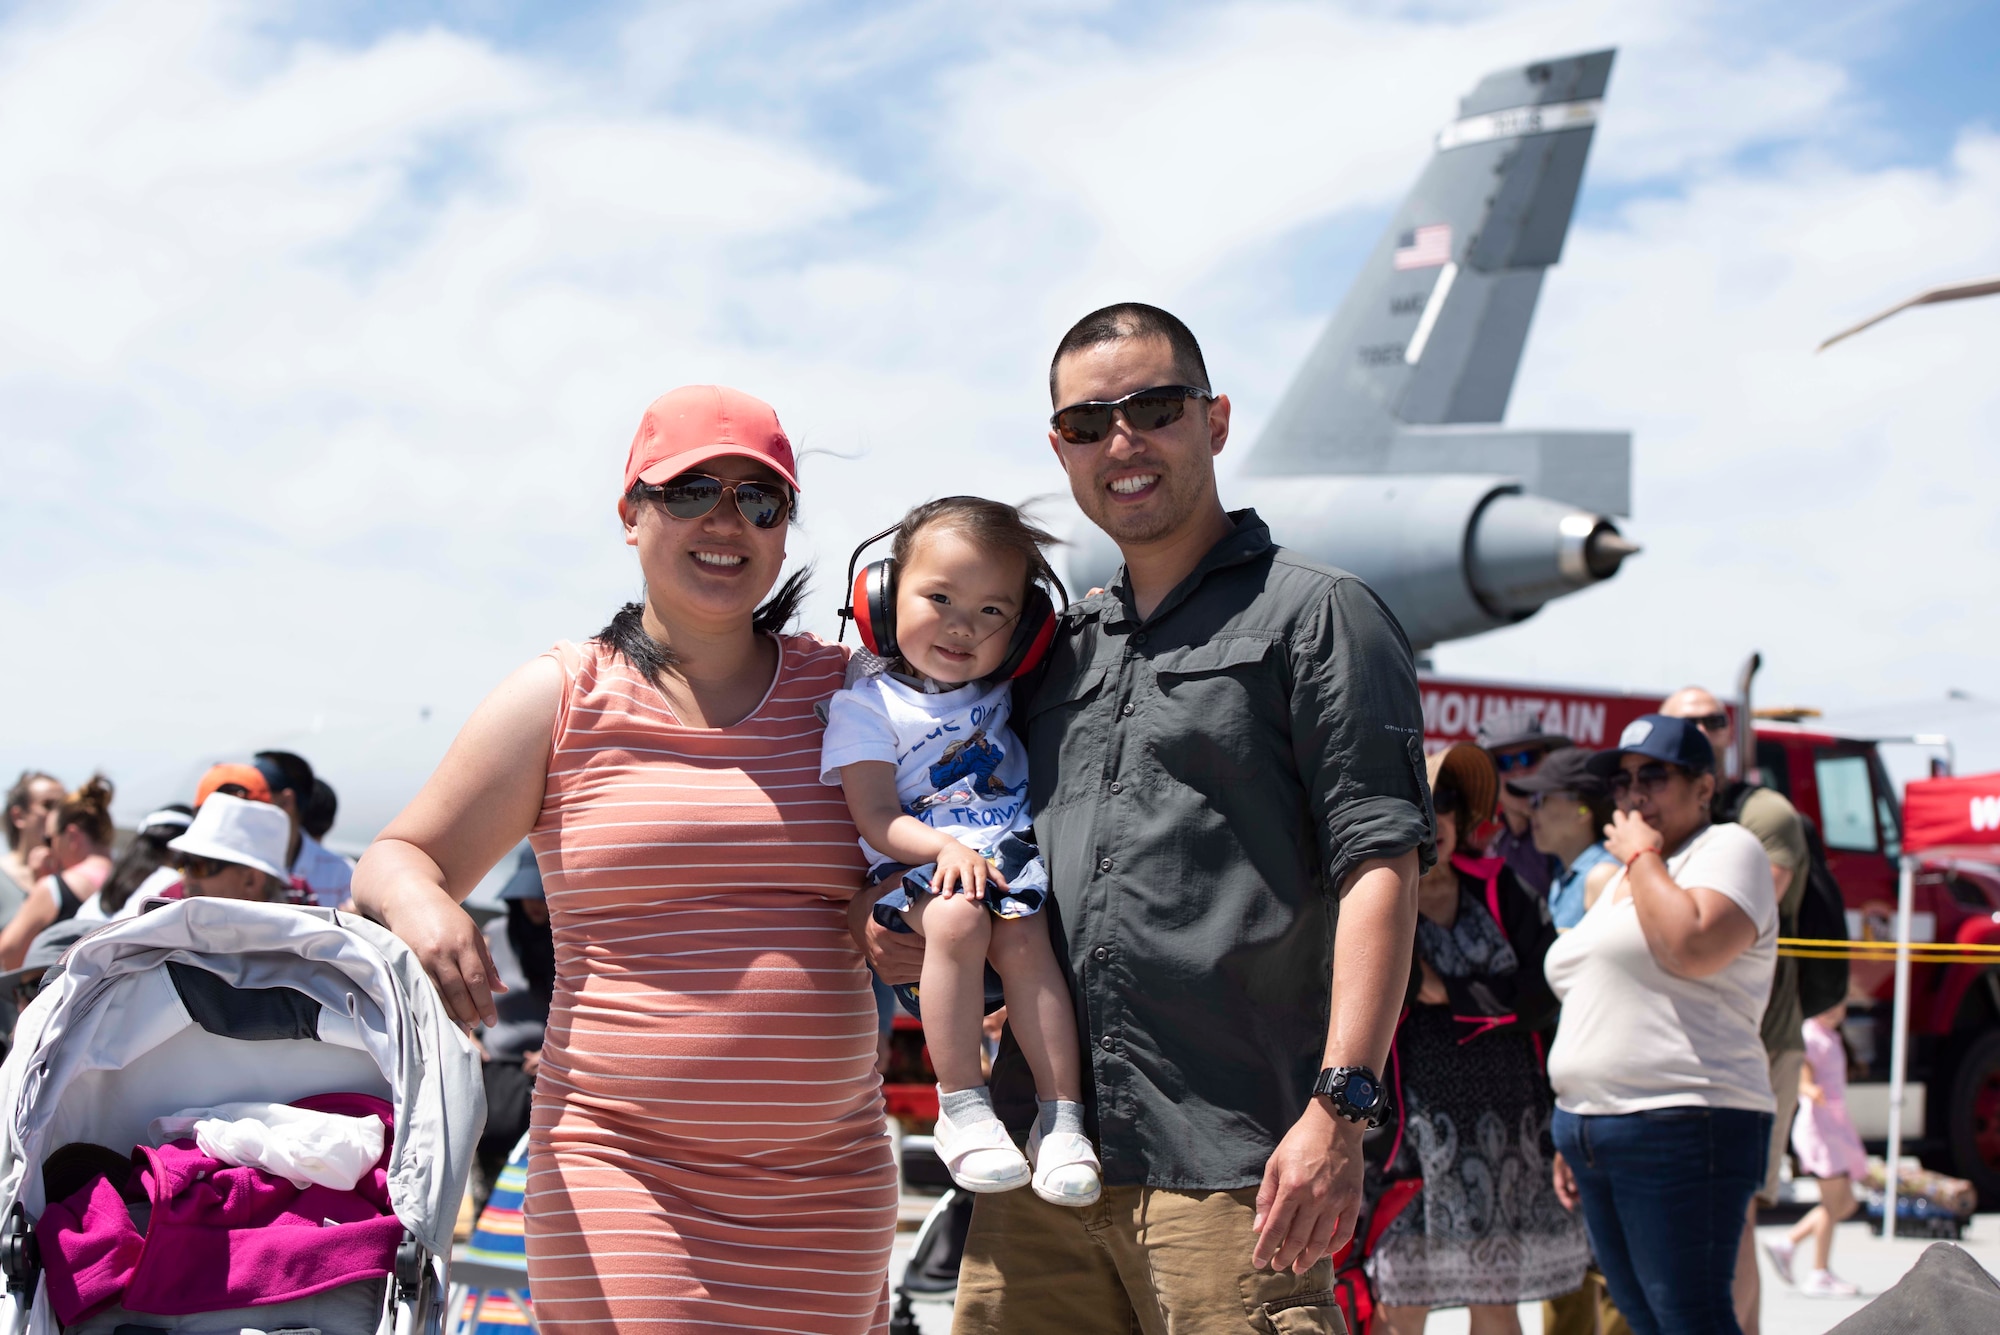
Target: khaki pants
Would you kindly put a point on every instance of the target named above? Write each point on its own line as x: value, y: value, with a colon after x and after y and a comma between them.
x: 1143, y: 1259
x: 1588, y: 1311
x: 1785, y: 1089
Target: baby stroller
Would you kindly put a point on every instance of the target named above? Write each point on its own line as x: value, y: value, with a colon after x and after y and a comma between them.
x: 206, y: 1002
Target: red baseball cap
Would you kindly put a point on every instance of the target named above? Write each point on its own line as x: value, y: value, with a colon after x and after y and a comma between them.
x: 247, y: 777
x: 696, y: 423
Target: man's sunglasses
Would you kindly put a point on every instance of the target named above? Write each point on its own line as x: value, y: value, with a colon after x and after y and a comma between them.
x: 199, y: 868
x: 1711, y: 722
x: 1144, y: 409
x: 692, y: 495
x: 1650, y: 778
x: 1510, y: 761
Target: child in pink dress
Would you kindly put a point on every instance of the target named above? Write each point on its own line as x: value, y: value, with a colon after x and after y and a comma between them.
x: 1824, y: 1139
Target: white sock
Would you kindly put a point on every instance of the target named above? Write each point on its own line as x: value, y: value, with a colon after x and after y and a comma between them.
x: 968, y: 1107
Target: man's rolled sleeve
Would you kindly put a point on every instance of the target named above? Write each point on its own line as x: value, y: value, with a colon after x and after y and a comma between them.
x: 1357, y: 733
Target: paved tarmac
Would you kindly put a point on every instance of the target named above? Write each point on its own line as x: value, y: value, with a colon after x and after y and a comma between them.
x: 1871, y: 1262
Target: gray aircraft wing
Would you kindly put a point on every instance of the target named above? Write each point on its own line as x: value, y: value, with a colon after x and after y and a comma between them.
x: 1384, y: 456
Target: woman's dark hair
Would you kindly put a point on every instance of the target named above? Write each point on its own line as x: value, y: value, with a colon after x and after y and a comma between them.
x: 626, y: 631
x: 17, y: 800
x: 991, y: 526
x: 317, y: 812
x: 534, y: 946
x: 147, y: 853
x: 1601, y: 807
x: 89, y: 807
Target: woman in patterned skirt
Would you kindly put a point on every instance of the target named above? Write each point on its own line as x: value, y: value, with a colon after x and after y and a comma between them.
x: 708, y: 1147
x: 1486, y: 1230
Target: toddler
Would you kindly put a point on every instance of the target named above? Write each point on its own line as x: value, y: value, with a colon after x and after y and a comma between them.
x: 1824, y: 1139
x: 937, y: 783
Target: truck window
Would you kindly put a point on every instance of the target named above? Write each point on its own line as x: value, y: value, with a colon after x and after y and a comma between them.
x: 1773, y: 761
x: 1887, y: 814
x: 1846, y: 802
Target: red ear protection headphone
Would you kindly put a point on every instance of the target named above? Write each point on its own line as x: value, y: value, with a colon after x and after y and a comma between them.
x: 872, y: 608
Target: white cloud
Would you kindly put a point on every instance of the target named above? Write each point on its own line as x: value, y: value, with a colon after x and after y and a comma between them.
x: 318, y: 361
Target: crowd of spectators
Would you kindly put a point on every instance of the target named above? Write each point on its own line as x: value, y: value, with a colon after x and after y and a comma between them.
x: 253, y: 831
x: 1616, y: 913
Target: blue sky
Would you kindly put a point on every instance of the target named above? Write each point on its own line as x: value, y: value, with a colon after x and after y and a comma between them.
x: 328, y: 324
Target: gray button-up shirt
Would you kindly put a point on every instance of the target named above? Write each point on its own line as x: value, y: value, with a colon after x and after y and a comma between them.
x: 1203, y: 780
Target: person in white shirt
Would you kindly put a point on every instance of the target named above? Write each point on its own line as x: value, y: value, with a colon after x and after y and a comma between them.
x: 1663, y: 1092
x: 327, y: 875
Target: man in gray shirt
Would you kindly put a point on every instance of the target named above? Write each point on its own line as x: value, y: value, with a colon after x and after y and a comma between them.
x: 1225, y: 755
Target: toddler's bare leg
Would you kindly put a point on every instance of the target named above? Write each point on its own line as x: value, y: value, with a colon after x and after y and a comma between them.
x: 957, y: 932
x: 1038, y: 1006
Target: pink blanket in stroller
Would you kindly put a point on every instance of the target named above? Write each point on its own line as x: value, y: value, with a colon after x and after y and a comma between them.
x: 218, y: 1236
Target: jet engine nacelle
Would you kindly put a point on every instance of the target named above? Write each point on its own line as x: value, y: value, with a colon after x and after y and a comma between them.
x: 1452, y: 554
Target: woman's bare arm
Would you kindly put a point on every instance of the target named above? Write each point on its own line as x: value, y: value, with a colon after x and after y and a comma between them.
x: 482, y: 800
x: 27, y: 923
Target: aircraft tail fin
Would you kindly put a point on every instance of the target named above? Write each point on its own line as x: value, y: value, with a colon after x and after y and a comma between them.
x: 1431, y: 332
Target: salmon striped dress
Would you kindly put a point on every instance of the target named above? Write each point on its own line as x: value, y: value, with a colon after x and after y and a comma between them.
x: 708, y: 1149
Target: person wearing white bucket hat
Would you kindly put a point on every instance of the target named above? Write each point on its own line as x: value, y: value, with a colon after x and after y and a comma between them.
x: 235, y: 849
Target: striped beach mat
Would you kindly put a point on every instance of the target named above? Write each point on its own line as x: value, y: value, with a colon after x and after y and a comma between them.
x: 498, y: 1239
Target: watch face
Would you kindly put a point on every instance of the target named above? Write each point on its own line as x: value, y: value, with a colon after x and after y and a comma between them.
x: 1361, y: 1091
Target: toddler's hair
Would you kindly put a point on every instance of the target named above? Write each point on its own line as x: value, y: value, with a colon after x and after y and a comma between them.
x: 991, y: 525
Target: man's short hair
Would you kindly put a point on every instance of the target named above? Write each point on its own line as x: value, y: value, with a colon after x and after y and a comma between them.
x: 1133, y: 319
x: 286, y: 769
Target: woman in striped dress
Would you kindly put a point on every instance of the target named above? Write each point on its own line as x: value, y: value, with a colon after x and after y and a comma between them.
x: 708, y: 1148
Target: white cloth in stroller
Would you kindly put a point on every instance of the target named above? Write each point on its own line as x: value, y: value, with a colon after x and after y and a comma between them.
x: 210, y: 1001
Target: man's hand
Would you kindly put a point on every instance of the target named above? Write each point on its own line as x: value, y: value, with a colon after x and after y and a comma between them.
x: 898, y: 957
x: 1565, y: 1184
x: 1311, y: 1192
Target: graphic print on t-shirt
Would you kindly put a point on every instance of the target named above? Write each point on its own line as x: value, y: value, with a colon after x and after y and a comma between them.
x: 959, y: 767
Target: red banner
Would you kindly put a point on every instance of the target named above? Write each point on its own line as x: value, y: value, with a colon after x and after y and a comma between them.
x: 1941, y: 812
x: 1455, y: 710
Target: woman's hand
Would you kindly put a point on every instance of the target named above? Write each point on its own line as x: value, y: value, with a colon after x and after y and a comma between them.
x: 961, y: 870
x: 1431, y: 991
x: 1565, y: 1184
x: 1628, y: 835
x: 449, y: 946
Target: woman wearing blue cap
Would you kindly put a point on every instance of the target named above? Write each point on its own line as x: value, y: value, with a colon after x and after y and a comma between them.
x: 1663, y: 1092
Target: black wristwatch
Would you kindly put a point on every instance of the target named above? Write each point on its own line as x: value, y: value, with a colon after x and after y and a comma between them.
x: 1355, y: 1092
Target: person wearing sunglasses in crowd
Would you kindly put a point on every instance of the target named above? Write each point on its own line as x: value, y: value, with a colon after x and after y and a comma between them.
x: 1770, y: 815
x: 708, y: 1123
x: 1663, y: 1094
x: 1225, y: 743
x: 1569, y: 808
x: 1518, y: 745
x: 1485, y: 1229
x: 26, y: 860
x: 80, y: 835
x: 234, y: 849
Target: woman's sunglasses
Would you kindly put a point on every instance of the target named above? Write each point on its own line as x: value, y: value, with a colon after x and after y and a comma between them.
x: 692, y: 495
x: 1651, y: 778
x: 1144, y: 409
x: 1447, y: 802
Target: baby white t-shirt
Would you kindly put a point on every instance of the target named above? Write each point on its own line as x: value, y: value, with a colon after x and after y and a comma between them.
x: 959, y: 767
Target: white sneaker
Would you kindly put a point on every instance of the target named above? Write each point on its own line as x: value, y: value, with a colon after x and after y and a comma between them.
x: 1066, y: 1168
x: 1780, y: 1253
x: 1826, y: 1284
x: 980, y: 1157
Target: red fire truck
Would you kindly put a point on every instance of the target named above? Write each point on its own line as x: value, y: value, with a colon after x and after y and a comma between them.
x: 1840, y: 783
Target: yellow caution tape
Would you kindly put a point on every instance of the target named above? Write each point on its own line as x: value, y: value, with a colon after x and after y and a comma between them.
x: 1920, y: 952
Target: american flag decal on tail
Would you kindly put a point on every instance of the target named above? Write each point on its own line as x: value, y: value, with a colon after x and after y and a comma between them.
x: 1424, y: 248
